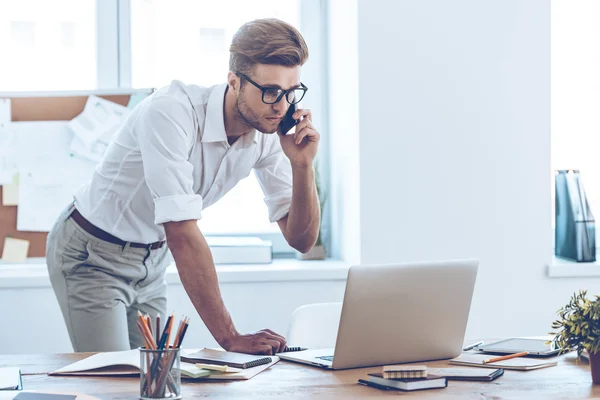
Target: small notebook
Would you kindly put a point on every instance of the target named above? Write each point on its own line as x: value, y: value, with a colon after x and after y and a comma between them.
x: 408, y: 385
x: 229, y: 358
x: 10, y: 378
x: 468, y: 373
x: 517, y: 364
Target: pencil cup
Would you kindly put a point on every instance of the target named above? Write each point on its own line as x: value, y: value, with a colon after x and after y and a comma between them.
x: 160, y: 374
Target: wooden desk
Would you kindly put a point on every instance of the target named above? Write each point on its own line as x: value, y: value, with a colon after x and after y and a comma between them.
x: 286, y: 380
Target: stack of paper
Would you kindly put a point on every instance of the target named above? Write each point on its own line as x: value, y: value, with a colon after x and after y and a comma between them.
x: 240, y: 250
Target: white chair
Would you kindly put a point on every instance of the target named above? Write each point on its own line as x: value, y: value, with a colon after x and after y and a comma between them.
x: 315, y: 326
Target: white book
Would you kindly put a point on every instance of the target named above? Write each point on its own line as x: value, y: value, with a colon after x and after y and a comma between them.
x: 240, y: 250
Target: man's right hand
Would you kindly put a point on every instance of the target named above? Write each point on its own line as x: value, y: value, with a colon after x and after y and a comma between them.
x: 262, y: 342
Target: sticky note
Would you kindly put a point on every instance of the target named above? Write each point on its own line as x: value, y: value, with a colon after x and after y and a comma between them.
x: 15, y: 250
x: 5, y: 116
x: 135, y: 98
x: 10, y: 192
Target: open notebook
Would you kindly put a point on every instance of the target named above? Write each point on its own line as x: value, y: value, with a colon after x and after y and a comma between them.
x: 127, y: 363
x: 518, y: 364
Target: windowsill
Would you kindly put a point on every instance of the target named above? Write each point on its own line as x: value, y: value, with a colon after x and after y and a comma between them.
x: 33, y: 272
x: 561, y: 268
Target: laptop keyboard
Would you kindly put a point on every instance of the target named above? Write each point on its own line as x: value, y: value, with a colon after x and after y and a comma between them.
x: 326, y: 358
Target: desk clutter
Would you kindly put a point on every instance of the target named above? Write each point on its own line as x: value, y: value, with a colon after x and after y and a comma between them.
x: 474, y: 367
x: 205, y: 364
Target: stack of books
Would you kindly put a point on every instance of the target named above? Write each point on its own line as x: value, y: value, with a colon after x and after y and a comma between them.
x: 404, y: 377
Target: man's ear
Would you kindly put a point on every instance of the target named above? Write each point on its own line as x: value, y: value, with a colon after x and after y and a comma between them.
x: 233, y: 81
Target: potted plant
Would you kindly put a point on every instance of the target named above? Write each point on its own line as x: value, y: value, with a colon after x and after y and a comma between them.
x: 579, y: 329
x: 318, y: 250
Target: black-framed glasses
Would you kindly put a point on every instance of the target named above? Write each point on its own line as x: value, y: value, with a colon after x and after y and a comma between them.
x: 272, y: 95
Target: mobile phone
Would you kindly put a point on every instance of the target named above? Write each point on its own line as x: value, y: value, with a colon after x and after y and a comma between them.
x: 288, y: 122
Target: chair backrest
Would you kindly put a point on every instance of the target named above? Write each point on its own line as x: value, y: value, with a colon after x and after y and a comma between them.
x: 315, y: 326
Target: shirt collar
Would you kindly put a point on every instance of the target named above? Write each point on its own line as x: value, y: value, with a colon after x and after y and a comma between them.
x: 214, y: 123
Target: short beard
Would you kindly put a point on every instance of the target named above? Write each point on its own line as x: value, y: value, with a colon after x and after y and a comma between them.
x: 244, y: 114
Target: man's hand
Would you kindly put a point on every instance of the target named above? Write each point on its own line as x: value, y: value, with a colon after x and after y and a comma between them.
x: 262, y: 342
x: 301, y: 147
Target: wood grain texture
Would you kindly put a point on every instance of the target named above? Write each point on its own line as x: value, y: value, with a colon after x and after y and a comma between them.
x: 41, y: 109
x: 285, y: 380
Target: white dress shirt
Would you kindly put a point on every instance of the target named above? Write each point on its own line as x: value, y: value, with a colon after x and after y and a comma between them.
x: 171, y: 159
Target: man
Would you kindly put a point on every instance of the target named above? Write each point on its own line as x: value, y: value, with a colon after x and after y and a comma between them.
x: 179, y: 151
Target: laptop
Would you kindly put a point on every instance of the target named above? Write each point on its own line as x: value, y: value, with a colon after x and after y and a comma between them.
x: 399, y: 313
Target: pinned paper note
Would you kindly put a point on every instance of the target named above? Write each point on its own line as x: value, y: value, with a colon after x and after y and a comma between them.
x: 15, y: 250
x: 10, y: 192
x: 9, y: 155
x: 5, y: 116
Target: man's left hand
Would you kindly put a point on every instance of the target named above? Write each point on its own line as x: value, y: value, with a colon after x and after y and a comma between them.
x: 301, y: 147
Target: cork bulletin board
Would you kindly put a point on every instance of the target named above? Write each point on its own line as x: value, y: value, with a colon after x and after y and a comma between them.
x: 44, y: 108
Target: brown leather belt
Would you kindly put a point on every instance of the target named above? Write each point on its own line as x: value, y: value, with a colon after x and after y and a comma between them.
x: 103, y: 235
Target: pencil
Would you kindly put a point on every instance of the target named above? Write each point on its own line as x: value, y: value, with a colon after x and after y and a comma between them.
x: 149, y: 322
x: 163, y: 336
x: 185, y: 326
x: 172, y: 317
x: 157, y: 327
x: 507, y: 357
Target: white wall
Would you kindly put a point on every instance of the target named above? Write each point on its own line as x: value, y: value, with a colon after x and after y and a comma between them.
x: 32, y: 322
x: 455, y: 149
x: 344, y: 141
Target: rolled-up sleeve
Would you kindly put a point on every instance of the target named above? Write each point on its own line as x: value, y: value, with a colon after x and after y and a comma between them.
x: 165, y: 131
x: 274, y: 174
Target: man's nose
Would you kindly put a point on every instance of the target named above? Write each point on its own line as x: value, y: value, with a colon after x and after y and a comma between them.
x: 280, y: 107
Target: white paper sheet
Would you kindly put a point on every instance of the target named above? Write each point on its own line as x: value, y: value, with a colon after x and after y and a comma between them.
x: 49, y: 173
x: 95, y: 126
x: 5, y: 113
x: 7, y: 167
x: 10, y: 192
x: 8, y: 157
x: 44, y: 194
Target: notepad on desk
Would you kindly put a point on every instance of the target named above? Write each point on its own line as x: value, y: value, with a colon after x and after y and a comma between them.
x: 517, y: 364
x: 229, y: 358
x: 468, y: 373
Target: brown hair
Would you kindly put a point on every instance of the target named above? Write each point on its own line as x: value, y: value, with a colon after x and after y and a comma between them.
x: 266, y: 41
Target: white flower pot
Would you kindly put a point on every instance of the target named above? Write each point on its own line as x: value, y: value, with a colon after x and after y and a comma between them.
x: 316, y: 253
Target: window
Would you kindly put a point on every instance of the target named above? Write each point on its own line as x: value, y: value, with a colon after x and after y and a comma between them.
x: 575, y: 92
x: 108, y: 44
x: 47, y: 45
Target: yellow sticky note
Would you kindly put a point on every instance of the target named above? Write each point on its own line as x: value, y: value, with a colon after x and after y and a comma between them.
x: 10, y: 192
x: 15, y: 250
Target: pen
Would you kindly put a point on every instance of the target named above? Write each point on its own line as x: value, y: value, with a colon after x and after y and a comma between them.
x: 472, y: 346
x: 496, y: 359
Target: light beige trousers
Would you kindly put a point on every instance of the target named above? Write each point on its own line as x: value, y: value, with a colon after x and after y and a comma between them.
x: 100, y: 286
